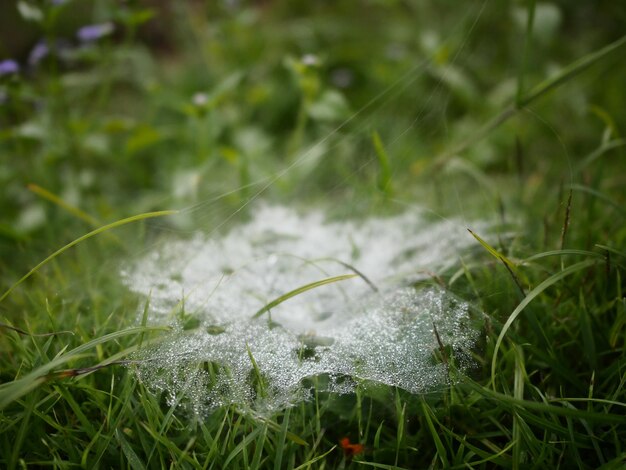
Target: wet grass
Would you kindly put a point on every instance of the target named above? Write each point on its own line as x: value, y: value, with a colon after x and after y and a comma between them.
x: 547, y: 390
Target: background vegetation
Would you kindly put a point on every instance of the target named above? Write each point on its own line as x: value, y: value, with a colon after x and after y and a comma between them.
x: 509, y: 111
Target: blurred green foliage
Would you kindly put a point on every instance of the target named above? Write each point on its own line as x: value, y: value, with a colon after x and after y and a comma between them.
x: 189, y: 100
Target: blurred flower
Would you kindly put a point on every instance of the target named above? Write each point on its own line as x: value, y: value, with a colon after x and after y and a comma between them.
x: 58, y: 2
x: 349, y: 449
x: 38, y: 53
x: 93, y: 32
x: 61, y: 48
x: 200, y: 99
x: 8, y: 67
x: 310, y: 59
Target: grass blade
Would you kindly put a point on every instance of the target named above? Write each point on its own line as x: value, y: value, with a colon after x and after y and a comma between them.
x: 53, y: 198
x: 380, y: 465
x: 529, y: 298
x: 603, y: 418
x: 37, y: 335
x: 261, y: 385
x: 239, y: 448
x: 518, y: 393
x: 315, y: 459
x: 567, y: 220
x: 593, y: 192
x: 569, y: 72
x: 104, y: 228
x: 495, y: 253
x: 280, y: 445
x: 527, y: 41
x: 384, y: 176
x: 441, y: 450
x: 301, y: 290
x: 11, y: 391
x: 546, y: 254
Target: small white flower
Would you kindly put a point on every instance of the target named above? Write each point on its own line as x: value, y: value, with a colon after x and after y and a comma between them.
x: 200, y: 99
x: 310, y: 59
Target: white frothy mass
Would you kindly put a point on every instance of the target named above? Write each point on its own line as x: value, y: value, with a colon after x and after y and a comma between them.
x: 374, y: 327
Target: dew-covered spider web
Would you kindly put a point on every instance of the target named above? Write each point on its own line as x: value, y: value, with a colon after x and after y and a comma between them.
x: 373, y: 327
x: 244, y: 335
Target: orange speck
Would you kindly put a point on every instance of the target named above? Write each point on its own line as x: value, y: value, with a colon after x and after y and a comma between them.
x: 350, y: 450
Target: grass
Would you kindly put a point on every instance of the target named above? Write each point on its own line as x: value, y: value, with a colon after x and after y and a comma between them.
x: 86, y: 146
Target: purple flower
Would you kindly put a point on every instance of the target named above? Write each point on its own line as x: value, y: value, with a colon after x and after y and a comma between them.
x: 61, y: 48
x: 58, y: 2
x: 93, y: 32
x: 39, y: 52
x: 8, y: 67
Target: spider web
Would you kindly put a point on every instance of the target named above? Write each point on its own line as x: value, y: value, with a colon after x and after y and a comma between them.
x: 375, y: 328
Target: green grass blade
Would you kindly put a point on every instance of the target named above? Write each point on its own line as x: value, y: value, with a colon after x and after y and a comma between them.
x: 104, y: 228
x: 261, y: 382
x: 603, y: 418
x: 593, y: 192
x: 35, y: 335
x: 258, y: 449
x: 616, y: 464
x: 380, y: 465
x: 571, y: 71
x: 441, y: 450
x: 586, y: 332
x: 612, y: 250
x: 319, y: 457
x: 546, y: 254
x: 280, y: 445
x: 529, y: 298
x: 384, y: 175
x: 495, y: 253
x: 301, y: 290
x: 133, y: 460
x: 11, y: 391
x: 527, y: 41
x: 274, y: 426
x: 239, y: 448
x: 600, y: 151
x: 53, y: 198
x: 518, y: 393
x: 590, y: 400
